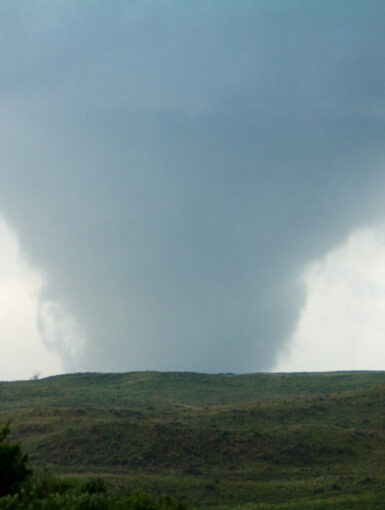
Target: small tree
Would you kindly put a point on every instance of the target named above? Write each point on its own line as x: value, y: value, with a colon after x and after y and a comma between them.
x: 36, y: 376
x: 13, y: 464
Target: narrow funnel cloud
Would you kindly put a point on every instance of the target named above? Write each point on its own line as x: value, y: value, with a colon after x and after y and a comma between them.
x: 170, y: 168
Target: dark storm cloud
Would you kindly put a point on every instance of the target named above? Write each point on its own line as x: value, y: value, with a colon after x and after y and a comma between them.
x: 172, y: 167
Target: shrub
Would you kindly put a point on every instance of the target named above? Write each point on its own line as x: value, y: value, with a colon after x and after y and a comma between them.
x: 94, y: 486
x: 13, y: 464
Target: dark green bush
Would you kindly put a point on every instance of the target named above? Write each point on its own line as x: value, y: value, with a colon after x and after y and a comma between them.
x: 94, y: 486
x: 13, y: 464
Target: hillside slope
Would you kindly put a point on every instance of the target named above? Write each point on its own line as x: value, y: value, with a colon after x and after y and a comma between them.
x: 211, y: 440
x: 165, y: 390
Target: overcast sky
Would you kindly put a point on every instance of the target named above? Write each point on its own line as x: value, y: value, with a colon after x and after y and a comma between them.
x: 181, y: 180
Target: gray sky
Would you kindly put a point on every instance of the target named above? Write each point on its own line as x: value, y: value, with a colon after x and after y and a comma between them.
x: 170, y: 169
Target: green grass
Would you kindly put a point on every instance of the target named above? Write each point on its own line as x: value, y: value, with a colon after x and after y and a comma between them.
x: 212, y: 441
x: 167, y: 390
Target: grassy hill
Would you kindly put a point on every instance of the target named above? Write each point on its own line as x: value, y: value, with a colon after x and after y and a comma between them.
x: 165, y: 390
x: 236, y: 441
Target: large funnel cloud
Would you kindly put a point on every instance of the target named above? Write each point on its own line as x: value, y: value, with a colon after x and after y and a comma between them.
x: 171, y: 167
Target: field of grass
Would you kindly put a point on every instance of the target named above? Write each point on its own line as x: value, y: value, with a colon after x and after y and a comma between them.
x: 256, y: 441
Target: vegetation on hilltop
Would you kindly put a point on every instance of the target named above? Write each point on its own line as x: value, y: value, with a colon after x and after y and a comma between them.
x: 168, y: 390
